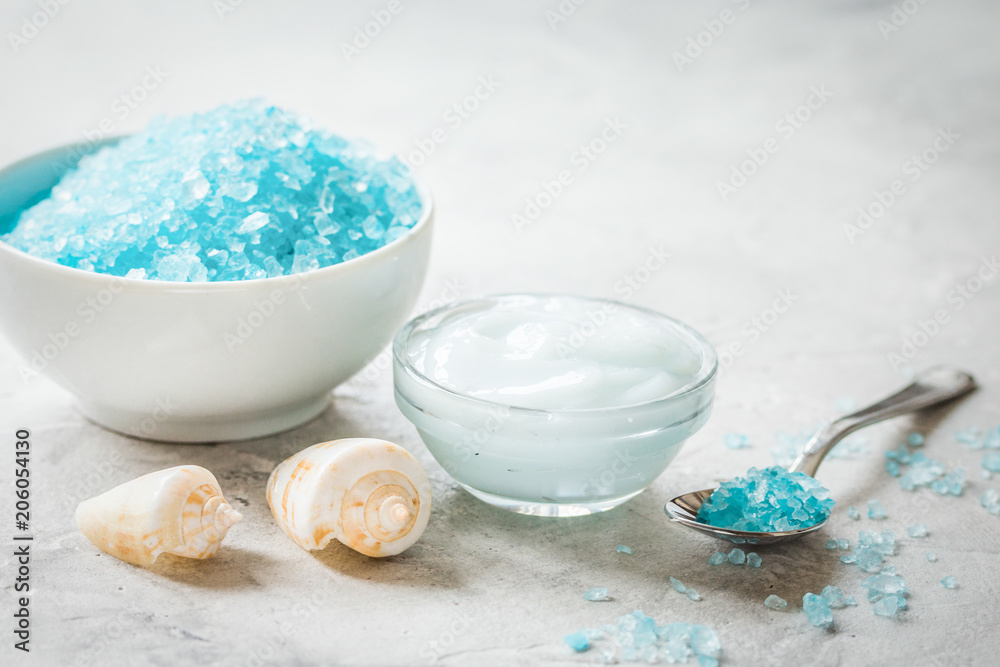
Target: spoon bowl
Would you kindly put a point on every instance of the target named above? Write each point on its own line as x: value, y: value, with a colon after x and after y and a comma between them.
x: 928, y: 389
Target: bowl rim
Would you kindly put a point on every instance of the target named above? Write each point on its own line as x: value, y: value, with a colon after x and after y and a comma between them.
x: 88, y: 147
x: 705, y: 376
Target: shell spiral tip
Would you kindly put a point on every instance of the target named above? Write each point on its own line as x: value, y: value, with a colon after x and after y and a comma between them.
x: 394, y: 513
x: 227, y: 517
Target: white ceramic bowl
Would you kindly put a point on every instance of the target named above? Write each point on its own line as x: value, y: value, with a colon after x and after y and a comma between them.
x: 198, y: 362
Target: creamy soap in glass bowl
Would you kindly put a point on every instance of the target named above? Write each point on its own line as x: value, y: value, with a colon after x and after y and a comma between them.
x: 552, y: 405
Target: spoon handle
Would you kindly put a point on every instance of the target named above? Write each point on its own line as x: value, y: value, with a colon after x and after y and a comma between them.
x: 931, y: 387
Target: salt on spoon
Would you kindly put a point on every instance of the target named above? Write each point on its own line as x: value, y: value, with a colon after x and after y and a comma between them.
x: 930, y: 388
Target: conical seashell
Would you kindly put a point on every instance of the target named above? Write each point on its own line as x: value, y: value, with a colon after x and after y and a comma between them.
x: 370, y: 494
x: 178, y: 511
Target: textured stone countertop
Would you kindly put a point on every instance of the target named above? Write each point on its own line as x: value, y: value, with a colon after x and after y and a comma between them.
x: 836, y: 99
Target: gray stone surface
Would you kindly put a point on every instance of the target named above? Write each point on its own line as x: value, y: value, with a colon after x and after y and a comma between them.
x: 486, y: 587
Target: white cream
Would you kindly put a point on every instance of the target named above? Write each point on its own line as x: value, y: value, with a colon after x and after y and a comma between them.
x: 556, y: 354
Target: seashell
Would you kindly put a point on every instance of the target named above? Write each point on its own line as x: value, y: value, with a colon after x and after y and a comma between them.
x: 370, y: 494
x: 178, y: 511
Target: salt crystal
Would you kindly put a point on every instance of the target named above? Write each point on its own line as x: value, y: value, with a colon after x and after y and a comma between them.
x: 917, y: 530
x: 718, y: 558
x: 753, y: 560
x: 767, y: 500
x: 817, y: 610
x: 253, y: 222
x: 577, y: 641
x: 736, y: 441
x: 692, y: 594
x: 737, y: 557
x: 915, y: 440
x: 875, y: 510
x: 853, y: 512
x: 774, y: 602
x: 931, y: 557
x: 595, y: 594
x: 622, y: 549
x: 834, y: 597
x: 949, y: 582
x: 678, y: 586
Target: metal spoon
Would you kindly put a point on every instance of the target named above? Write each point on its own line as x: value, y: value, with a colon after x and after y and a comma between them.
x: 929, y: 388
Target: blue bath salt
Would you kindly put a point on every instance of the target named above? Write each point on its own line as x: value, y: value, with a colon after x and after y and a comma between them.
x: 915, y: 440
x: 990, y: 500
x: 577, y: 641
x: 875, y: 509
x: 775, y: 602
x: 736, y: 441
x: 753, y: 560
x: 949, y: 582
x: 991, y: 461
x: 817, y: 610
x: 242, y: 192
x: 737, y: 557
x: 718, y: 558
x: 596, y: 594
x: 622, y: 549
x: 767, y: 500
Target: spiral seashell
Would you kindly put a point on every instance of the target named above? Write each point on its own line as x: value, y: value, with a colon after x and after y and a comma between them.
x: 370, y: 494
x: 178, y: 511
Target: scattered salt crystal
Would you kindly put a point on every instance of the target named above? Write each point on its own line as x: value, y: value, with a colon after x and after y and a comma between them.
x: 991, y: 461
x: 622, y: 549
x: 831, y: 544
x: 915, y: 440
x: 931, y: 557
x: 843, y: 543
x: 889, y: 606
x: 834, y: 597
x: 753, y: 560
x: 737, y: 557
x: 917, y: 530
x: 991, y: 501
x: 853, y: 512
x: 736, y: 441
x: 774, y: 602
x: 577, y: 641
x: 692, y: 594
x: 596, y: 594
x: 678, y: 586
x: 817, y: 610
x: 875, y: 510
x: 949, y: 582
x: 718, y: 558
